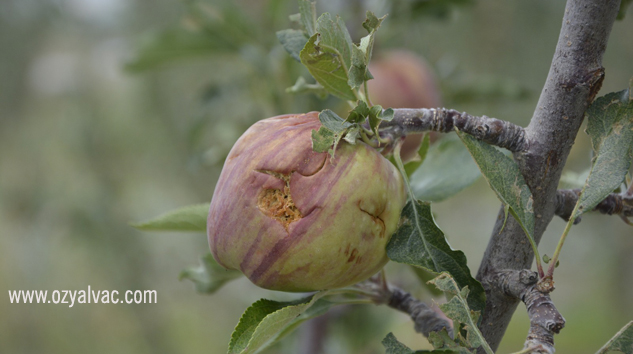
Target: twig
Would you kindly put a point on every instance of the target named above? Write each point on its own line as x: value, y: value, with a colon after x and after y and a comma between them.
x: 613, y: 204
x: 545, y: 320
x: 491, y: 130
x: 425, y: 320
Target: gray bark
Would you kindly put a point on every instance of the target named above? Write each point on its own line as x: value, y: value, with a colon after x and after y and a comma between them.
x: 491, y: 130
x: 614, y: 204
x: 573, y: 81
x: 425, y: 320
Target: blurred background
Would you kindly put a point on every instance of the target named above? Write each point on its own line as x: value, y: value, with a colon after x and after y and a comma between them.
x: 114, y: 111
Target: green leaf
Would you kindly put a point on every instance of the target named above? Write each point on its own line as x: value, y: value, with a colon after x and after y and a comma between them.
x: 336, y: 125
x: 252, y: 318
x: 447, y: 169
x: 209, y: 276
x: 319, y: 308
x: 352, y: 134
x: 419, y: 242
x: 387, y: 114
x: 333, y: 122
x: 361, y: 53
x: 457, y: 309
x: 307, y: 10
x: 547, y: 259
x: 264, y: 320
x: 377, y: 115
x: 505, y: 179
x: 393, y: 346
x: 442, y: 340
x: 621, y: 342
x: 189, y: 218
x: 359, y: 113
x: 322, y: 139
x: 358, y: 69
x: 610, y: 126
x: 413, y: 165
x: 293, y: 41
x: 327, y: 56
x: 301, y: 86
x: 334, y: 34
x: 372, y: 22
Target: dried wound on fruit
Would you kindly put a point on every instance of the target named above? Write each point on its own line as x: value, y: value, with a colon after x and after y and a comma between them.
x: 292, y: 222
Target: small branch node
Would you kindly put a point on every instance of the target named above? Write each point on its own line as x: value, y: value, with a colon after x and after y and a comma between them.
x: 491, y: 130
x: 545, y: 285
x: 511, y: 282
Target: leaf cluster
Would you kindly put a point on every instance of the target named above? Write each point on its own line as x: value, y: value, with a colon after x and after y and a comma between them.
x: 339, y: 66
x: 324, y: 46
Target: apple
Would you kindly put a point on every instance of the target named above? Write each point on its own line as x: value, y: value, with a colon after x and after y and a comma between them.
x: 292, y: 219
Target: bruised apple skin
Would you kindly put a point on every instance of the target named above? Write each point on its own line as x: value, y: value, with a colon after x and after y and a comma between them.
x: 292, y: 219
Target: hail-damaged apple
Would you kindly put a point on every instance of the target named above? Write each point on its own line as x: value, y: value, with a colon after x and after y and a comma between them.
x: 292, y: 219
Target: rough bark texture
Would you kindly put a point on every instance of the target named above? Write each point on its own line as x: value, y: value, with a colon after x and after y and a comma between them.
x: 545, y: 320
x: 573, y: 81
x: 613, y: 204
x: 491, y: 130
x: 424, y: 318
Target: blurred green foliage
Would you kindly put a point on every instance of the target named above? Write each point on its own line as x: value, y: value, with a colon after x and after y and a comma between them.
x: 112, y: 111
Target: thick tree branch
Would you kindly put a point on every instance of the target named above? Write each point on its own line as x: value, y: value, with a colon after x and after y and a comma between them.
x: 573, y: 81
x: 491, y: 130
x: 618, y: 204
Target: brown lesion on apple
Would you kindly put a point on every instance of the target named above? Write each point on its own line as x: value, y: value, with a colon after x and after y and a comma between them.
x: 278, y: 204
x: 352, y: 254
x: 376, y: 219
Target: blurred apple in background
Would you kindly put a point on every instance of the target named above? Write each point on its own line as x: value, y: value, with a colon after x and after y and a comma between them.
x: 403, y: 79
